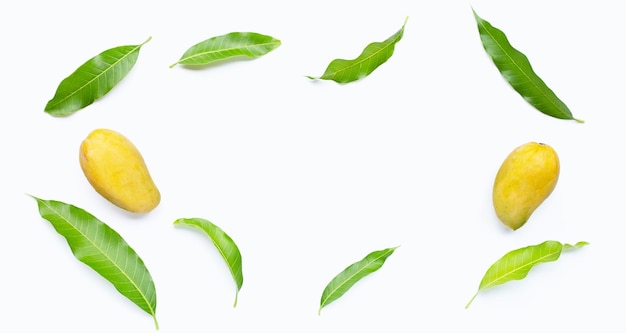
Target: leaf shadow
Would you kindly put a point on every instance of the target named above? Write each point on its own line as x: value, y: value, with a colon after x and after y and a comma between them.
x: 144, y: 217
x: 318, y: 80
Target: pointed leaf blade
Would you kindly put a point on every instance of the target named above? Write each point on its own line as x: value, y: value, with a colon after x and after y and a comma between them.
x: 343, y: 281
x: 516, y: 264
x: 374, y: 55
x: 100, y: 247
x: 224, y: 244
x: 93, y: 79
x: 516, y: 69
x: 234, y: 44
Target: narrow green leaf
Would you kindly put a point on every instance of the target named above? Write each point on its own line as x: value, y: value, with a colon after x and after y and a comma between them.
x: 224, y: 244
x: 516, y: 264
x: 234, y: 44
x: 104, y: 250
x: 374, y: 55
x: 343, y: 281
x: 517, y: 71
x: 93, y: 79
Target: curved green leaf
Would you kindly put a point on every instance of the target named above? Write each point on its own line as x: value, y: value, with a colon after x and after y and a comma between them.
x: 224, y: 244
x: 517, y: 71
x: 93, y: 79
x: 374, y: 55
x: 516, y: 264
x: 343, y: 281
x: 247, y: 44
x: 104, y: 250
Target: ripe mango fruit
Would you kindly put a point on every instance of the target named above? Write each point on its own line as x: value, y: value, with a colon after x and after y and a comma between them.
x: 116, y: 169
x: 525, y: 179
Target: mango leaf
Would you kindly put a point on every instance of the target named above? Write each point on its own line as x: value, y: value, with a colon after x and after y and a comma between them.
x: 516, y: 69
x: 93, y: 79
x: 234, y: 44
x: 224, y: 244
x: 516, y: 264
x: 374, y: 55
x: 104, y: 250
x: 343, y: 281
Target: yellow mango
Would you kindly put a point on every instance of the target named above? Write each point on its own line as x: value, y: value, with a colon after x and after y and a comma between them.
x: 116, y: 169
x: 525, y: 179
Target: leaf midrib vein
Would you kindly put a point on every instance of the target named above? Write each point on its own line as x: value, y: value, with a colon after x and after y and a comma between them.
x: 217, y: 245
x: 528, y: 78
x: 197, y: 55
x: 89, y: 82
x: 359, y: 62
x: 226, y: 257
x: 531, y: 263
x: 352, y: 276
x: 106, y: 256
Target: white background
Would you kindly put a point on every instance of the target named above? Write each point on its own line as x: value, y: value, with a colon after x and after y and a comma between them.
x: 310, y: 176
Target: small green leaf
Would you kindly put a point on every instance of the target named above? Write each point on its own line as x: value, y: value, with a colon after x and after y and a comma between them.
x: 234, y: 44
x: 343, y: 281
x: 374, y: 55
x: 517, y: 71
x: 93, y: 79
x: 224, y: 244
x: 516, y: 264
x: 104, y: 250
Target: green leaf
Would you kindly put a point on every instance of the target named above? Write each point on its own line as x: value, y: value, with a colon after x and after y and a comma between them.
x: 517, y: 71
x: 374, y: 55
x: 516, y: 264
x: 104, y: 250
x: 224, y: 244
x: 343, y: 281
x: 93, y: 79
x: 234, y: 44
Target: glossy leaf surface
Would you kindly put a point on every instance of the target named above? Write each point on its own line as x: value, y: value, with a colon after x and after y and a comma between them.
x: 93, y: 79
x: 516, y: 69
x: 374, y: 55
x: 343, y: 281
x: 104, y: 250
x: 234, y: 44
x: 516, y: 264
x: 224, y: 244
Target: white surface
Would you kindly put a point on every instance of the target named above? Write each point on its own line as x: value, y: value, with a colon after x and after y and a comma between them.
x: 308, y: 177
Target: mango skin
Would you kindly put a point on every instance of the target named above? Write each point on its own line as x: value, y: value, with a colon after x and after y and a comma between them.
x: 525, y: 179
x: 116, y: 170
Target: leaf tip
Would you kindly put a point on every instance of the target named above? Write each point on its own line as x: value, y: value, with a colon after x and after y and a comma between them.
x: 147, y: 40
x: 34, y: 197
x: 578, y: 245
x: 476, y: 17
